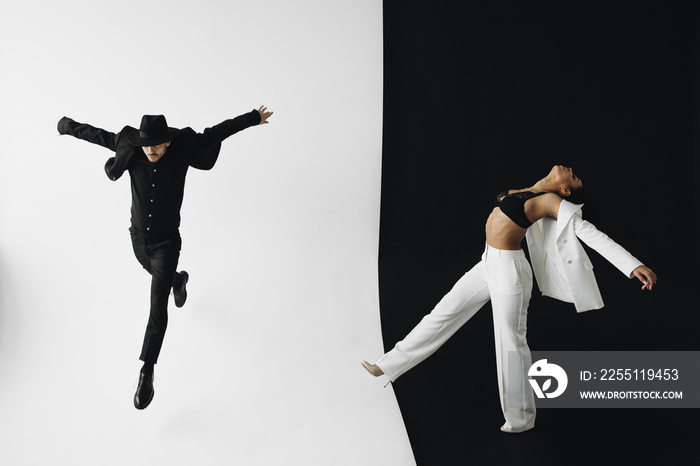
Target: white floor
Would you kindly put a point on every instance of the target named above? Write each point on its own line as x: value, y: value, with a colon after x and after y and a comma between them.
x: 262, y: 365
x: 239, y: 383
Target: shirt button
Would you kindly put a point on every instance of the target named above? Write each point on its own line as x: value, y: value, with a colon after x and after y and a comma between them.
x: 148, y: 228
x: 151, y: 200
x: 569, y: 261
x: 153, y: 185
x: 150, y: 215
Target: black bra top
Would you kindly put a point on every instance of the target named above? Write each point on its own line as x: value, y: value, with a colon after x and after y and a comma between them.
x: 513, y: 205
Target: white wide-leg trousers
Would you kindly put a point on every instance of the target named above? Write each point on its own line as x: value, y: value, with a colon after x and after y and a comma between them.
x: 504, y: 277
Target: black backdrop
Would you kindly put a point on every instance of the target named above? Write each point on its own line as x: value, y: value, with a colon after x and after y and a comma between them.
x: 483, y: 96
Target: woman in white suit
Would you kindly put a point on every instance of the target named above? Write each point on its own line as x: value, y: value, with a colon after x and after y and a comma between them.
x: 552, y: 225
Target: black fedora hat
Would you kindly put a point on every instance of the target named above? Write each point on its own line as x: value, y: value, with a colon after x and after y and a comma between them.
x: 154, y: 130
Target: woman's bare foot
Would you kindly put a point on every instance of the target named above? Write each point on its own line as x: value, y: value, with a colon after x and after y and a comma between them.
x: 372, y: 369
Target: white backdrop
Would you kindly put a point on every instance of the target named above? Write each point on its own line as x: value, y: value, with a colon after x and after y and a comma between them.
x: 261, y: 366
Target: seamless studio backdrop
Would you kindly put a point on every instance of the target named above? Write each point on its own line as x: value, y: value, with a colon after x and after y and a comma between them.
x: 486, y: 96
x: 261, y: 366
x: 281, y: 238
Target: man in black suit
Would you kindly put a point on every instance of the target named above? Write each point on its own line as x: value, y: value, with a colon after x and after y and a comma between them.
x: 157, y: 158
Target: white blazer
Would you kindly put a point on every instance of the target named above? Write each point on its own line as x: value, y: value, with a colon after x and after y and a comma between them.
x: 562, y: 268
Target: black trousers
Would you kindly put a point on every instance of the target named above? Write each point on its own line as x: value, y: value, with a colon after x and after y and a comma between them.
x: 158, y: 253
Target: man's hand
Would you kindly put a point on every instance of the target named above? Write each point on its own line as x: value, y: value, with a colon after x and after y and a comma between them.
x: 264, y: 114
x: 646, y: 276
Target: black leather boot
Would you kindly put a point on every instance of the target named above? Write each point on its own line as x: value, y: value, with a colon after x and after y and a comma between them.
x: 144, y: 392
x: 180, y: 292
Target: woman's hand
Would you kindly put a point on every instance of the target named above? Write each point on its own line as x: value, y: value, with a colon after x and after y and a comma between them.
x: 646, y: 276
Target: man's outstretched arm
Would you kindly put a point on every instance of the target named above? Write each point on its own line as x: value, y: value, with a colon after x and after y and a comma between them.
x: 87, y: 133
x: 204, y: 151
x: 230, y: 127
x: 115, y: 166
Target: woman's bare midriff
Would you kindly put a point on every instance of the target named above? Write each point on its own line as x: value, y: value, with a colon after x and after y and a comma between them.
x: 502, y: 232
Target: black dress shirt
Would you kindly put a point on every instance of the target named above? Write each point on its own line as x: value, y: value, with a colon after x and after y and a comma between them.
x: 157, y: 189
